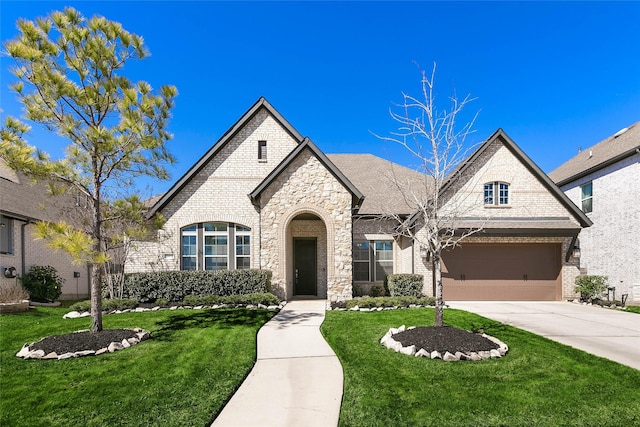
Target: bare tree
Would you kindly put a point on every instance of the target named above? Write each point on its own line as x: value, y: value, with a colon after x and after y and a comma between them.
x: 434, y: 138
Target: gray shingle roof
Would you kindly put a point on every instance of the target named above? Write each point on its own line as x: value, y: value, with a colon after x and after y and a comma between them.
x: 604, y: 153
x: 382, y: 182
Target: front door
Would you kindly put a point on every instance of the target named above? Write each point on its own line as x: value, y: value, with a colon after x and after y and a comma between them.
x: 305, y: 272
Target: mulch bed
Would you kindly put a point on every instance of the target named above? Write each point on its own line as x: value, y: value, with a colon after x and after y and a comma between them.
x: 443, y: 339
x: 81, y: 341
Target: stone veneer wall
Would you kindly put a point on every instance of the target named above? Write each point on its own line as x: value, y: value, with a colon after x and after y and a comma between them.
x: 306, y: 186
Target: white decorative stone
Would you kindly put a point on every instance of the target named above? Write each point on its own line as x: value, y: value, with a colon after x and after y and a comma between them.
x: 66, y: 356
x: 401, y: 328
x: 354, y: 308
x: 422, y: 353
x: 495, y: 353
x: 448, y: 357
x: 102, y: 351
x: 71, y: 315
x: 24, y: 351
x: 157, y: 307
x: 125, y: 343
x: 410, y: 350
x: 365, y: 309
x: 85, y: 314
x: 84, y: 353
x: 273, y: 307
x: 133, y: 341
x: 114, y: 346
x: 52, y: 355
x: 435, y: 355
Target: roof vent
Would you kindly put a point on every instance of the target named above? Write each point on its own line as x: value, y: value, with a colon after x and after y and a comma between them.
x: 620, y: 132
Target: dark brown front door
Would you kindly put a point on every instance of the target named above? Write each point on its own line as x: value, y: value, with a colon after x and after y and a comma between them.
x: 304, y: 266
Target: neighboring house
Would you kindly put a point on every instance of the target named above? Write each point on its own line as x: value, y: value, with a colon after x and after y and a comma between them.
x: 603, y: 181
x: 265, y: 197
x: 22, y: 204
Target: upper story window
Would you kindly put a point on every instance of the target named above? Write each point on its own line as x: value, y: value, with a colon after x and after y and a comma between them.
x: 496, y: 194
x: 372, y: 260
x: 586, y: 196
x: 6, y: 235
x: 215, y: 246
x: 262, y: 151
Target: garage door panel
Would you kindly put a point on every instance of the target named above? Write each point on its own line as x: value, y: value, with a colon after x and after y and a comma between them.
x: 511, y: 272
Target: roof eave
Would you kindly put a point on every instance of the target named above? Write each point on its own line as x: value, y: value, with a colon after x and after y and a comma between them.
x: 599, y: 166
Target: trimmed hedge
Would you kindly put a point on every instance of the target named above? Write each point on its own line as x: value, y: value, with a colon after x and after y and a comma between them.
x: 404, y: 285
x: 247, y: 299
x: 176, y: 285
x: 374, y: 302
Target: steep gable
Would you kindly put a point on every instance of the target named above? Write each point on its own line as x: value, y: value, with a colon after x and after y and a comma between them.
x: 535, y: 201
x: 235, y: 154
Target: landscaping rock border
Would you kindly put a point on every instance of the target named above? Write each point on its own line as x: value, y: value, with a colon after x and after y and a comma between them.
x: 140, y: 335
x: 388, y: 341
x: 77, y: 314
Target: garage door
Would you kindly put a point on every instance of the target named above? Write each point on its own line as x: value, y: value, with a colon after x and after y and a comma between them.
x: 502, y: 272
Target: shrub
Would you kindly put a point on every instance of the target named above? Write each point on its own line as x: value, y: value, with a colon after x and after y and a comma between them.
x: 176, y: 285
x: 80, y: 306
x: 13, y: 293
x: 248, y: 299
x: 162, y: 302
x: 356, y: 290
x: 590, y: 287
x: 43, y: 283
x: 373, y: 302
x: 409, y: 285
x: 118, y: 304
x: 378, y: 291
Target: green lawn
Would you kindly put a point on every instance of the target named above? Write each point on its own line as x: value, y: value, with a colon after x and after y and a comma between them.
x: 538, y: 383
x: 181, y: 377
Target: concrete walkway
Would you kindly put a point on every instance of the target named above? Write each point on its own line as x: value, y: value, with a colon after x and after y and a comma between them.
x: 297, y: 379
x: 606, y: 333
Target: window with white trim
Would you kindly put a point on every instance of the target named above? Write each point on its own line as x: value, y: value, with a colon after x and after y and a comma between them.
x: 190, y: 248
x: 216, y: 242
x: 586, y: 197
x: 243, y: 247
x: 496, y: 194
x: 372, y: 260
x: 215, y: 246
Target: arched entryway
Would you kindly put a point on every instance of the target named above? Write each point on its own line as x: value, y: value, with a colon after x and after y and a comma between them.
x: 306, y: 256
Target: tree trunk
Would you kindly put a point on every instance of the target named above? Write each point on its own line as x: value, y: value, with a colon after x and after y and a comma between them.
x: 96, y: 298
x: 437, y: 277
x: 96, y: 269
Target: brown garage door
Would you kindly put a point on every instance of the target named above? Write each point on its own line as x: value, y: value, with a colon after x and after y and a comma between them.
x: 502, y: 272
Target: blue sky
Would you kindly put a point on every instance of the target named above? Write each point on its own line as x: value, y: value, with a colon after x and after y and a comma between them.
x: 554, y: 75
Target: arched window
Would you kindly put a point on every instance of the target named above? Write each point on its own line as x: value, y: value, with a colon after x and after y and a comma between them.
x: 215, y: 246
x: 496, y: 194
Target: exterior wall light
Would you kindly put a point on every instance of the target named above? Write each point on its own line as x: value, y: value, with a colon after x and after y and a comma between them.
x: 424, y: 253
x: 576, y: 250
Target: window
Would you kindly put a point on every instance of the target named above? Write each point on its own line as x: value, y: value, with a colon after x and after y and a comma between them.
x: 216, y: 240
x: 496, y: 194
x: 586, y: 196
x: 211, y: 245
x: 262, y: 151
x: 189, y: 248
x: 243, y: 247
x: 381, y: 252
x: 6, y: 235
x: 361, y: 261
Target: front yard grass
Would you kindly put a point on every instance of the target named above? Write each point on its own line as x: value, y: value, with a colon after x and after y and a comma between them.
x: 538, y: 383
x: 181, y: 377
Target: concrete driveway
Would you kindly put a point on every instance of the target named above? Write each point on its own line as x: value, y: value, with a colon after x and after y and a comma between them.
x: 607, y: 333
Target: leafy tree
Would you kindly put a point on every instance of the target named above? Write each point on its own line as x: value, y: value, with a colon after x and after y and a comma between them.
x: 70, y: 80
x: 439, y: 144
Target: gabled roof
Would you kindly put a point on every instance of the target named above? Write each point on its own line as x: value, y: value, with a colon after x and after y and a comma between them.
x: 386, y: 185
x: 308, y: 144
x: 501, y: 136
x: 219, y: 145
x: 622, y: 144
